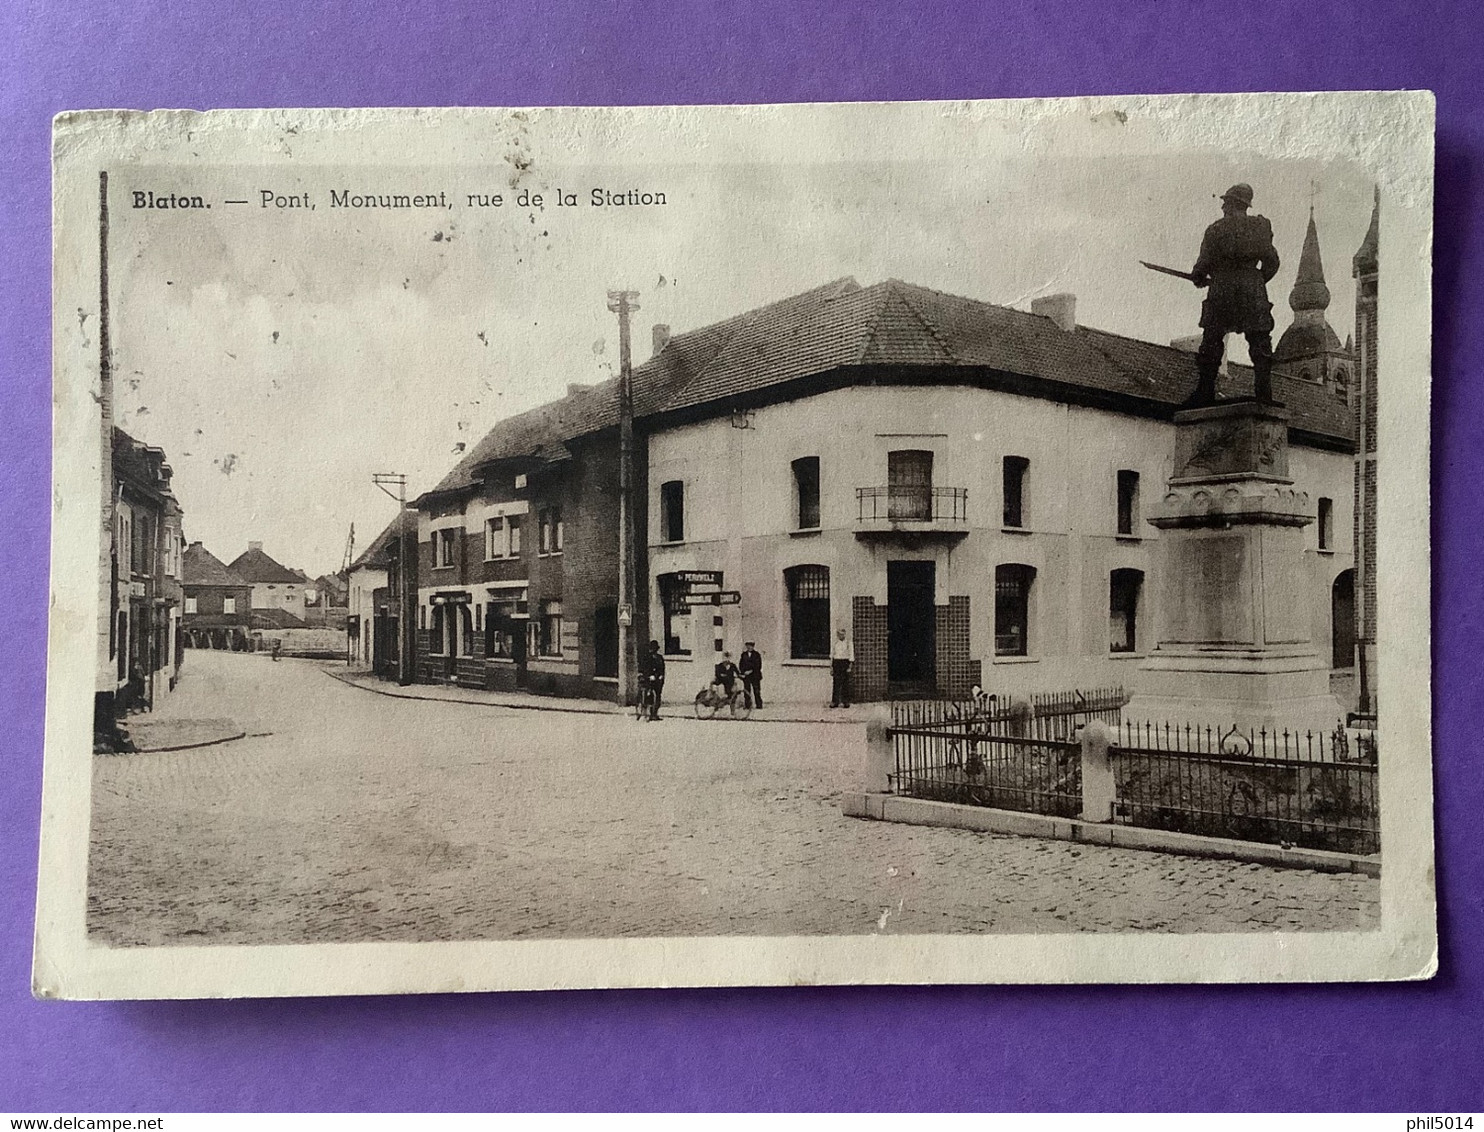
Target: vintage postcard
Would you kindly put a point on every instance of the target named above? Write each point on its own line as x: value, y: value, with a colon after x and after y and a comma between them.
x: 601, y: 547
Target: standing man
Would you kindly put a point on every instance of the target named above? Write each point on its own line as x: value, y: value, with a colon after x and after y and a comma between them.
x: 1236, y: 262
x: 842, y: 656
x: 750, y: 664
x: 652, y: 674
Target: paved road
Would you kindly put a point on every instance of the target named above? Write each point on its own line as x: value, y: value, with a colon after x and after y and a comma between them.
x: 362, y: 817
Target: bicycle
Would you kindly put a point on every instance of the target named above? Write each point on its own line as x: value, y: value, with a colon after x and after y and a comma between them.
x: 647, y: 701
x: 710, y: 700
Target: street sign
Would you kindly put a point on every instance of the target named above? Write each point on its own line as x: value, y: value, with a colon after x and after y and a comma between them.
x: 721, y: 597
x: 699, y: 577
x: 625, y: 614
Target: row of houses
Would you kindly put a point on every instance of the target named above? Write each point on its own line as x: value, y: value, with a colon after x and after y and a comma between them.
x: 958, y: 485
x: 224, y: 604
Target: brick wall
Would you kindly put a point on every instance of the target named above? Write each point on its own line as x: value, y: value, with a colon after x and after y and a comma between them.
x: 868, y: 631
x: 957, y: 673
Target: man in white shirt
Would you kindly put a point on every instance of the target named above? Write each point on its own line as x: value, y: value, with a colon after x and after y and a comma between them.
x: 842, y: 656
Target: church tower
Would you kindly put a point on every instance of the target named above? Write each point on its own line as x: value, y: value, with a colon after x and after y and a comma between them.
x: 1310, y: 349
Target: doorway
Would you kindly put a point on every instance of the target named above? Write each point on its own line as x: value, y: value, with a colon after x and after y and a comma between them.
x: 911, y: 628
x: 1342, y: 621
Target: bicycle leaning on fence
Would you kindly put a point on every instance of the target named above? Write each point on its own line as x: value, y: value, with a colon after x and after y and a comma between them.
x: 713, y: 697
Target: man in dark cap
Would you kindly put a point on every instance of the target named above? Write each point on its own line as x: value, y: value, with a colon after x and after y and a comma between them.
x: 1237, y: 261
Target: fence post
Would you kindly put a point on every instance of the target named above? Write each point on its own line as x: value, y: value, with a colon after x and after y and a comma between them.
x: 1098, y: 788
x: 880, y: 757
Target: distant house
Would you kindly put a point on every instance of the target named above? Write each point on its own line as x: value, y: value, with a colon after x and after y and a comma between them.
x: 274, y: 586
x: 373, y: 604
x: 324, y: 601
x: 218, y: 603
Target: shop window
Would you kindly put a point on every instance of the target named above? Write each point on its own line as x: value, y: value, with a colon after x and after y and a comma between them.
x: 550, y: 643
x: 808, y: 611
x: 1128, y: 502
x: 1124, y: 590
x: 806, y: 492
x: 1012, y: 609
x: 1016, y: 472
x: 465, y: 630
x: 677, y: 615
x: 672, y: 511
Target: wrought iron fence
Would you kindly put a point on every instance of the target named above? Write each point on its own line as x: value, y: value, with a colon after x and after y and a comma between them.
x: 1316, y: 789
x: 1312, y: 789
x: 912, y: 503
x: 1011, y: 754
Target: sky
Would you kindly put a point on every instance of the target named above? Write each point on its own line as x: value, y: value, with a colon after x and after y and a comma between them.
x: 281, y: 356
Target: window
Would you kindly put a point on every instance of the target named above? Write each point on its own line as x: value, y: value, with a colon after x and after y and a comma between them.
x: 1016, y: 470
x: 808, y: 611
x: 229, y: 605
x: 1128, y: 502
x: 190, y: 603
x: 909, y: 485
x: 677, y: 614
x: 806, y: 492
x: 1012, y: 609
x: 444, y: 542
x: 550, y: 531
x: 672, y: 511
x: 1326, y: 523
x: 495, y: 545
x: 551, y: 628
x: 512, y: 524
x: 465, y: 630
x: 1124, y: 588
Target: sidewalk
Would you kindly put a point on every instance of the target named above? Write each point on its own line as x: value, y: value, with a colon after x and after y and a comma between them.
x: 449, y: 693
x: 152, y: 734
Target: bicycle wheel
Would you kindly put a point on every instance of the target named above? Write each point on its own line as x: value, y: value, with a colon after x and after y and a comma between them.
x: 741, y: 707
x: 705, y: 705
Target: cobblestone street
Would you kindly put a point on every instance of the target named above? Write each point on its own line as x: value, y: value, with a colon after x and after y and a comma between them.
x: 362, y: 817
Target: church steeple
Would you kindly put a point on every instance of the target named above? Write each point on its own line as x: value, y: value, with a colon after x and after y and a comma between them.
x: 1309, y: 291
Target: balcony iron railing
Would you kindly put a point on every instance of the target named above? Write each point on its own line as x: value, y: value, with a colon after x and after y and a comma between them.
x: 912, y: 503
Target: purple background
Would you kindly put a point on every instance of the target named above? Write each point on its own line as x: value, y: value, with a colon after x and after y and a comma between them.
x: 1404, y: 1047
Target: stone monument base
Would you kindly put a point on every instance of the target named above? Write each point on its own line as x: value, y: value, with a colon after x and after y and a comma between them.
x: 1250, y: 689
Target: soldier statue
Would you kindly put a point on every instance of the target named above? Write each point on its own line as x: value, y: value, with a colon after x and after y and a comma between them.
x: 1237, y: 261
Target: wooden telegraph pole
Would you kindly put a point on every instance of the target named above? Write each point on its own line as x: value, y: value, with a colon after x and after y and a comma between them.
x: 624, y: 303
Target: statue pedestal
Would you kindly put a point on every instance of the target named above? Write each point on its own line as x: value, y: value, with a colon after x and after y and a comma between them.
x: 1234, y: 640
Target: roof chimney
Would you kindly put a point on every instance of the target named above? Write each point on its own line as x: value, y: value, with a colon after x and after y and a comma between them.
x: 661, y: 339
x: 1060, y: 309
x: 254, y: 546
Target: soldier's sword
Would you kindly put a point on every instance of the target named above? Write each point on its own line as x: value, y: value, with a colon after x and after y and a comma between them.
x: 1168, y: 271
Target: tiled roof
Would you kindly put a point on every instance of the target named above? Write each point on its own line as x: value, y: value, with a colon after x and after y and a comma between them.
x: 842, y: 325
x: 199, y: 567
x: 541, y: 433
x: 254, y: 566
x: 384, y: 545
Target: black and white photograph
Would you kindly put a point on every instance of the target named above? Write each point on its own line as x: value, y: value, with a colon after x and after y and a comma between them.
x: 897, y: 543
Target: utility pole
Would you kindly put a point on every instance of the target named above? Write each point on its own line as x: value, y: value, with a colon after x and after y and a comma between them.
x: 407, y: 597
x: 624, y: 303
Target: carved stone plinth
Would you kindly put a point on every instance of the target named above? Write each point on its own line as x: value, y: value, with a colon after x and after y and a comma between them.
x: 1235, y: 611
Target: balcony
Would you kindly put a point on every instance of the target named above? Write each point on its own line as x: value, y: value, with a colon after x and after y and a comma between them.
x: 912, y: 509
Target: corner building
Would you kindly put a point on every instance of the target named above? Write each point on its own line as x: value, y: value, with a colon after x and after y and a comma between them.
x: 959, y: 485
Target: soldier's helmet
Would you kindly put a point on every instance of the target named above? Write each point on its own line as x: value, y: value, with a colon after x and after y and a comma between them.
x: 1242, y: 194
